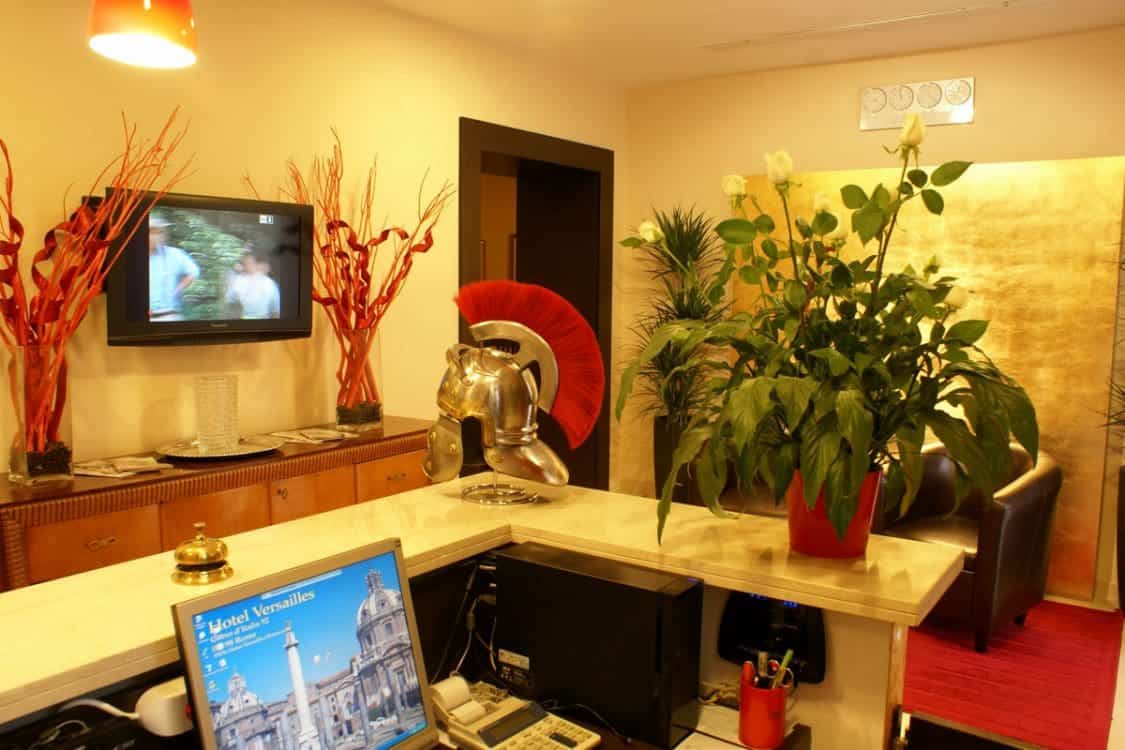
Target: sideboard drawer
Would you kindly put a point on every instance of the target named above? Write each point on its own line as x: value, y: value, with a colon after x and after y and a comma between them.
x: 64, y: 548
x: 225, y: 513
x: 307, y: 494
x: 388, y: 476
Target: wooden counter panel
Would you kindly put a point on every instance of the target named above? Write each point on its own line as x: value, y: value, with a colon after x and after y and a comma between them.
x: 305, y: 495
x: 389, y: 476
x: 61, y: 549
x: 225, y: 513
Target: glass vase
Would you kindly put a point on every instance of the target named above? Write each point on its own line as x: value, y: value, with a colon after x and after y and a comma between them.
x: 359, y: 407
x: 41, y: 450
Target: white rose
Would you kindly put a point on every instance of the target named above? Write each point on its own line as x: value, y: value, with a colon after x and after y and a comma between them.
x: 957, y: 298
x: 734, y: 185
x: 838, y: 236
x: 649, y: 232
x: 779, y: 166
x: 822, y: 204
x: 913, y: 130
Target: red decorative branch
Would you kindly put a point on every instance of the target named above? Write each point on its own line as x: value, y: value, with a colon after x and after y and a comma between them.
x: 346, y: 253
x: 71, y: 267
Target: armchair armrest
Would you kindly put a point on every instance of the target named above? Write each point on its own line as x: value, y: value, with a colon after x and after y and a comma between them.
x: 1013, y: 550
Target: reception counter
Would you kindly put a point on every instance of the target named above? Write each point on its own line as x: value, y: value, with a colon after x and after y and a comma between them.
x: 68, y: 637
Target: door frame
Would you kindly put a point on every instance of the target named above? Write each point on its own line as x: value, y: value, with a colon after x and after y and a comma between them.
x: 478, y: 138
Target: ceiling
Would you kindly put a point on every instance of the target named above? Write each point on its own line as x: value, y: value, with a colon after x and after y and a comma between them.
x: 633, y: 42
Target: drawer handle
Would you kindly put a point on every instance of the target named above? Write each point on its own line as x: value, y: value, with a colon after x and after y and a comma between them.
x: 396, y: 477
x: 96, y: 544
x: 283, y: 493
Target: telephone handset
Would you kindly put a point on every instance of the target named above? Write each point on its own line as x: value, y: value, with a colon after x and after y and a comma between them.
x: 480, y: 717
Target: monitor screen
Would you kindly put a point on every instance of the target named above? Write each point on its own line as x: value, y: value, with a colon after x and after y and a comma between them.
x: 211, y: 265
x: 320, y: 663
x: 213, y: 270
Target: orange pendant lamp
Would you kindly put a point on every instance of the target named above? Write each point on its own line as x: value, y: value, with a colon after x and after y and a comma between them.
x: 146, y: 33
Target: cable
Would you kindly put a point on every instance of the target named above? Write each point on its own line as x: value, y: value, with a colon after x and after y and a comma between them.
x: 457, y: 619
x: 50, y: 735
x: 101, y: 706
x: 552, y: 704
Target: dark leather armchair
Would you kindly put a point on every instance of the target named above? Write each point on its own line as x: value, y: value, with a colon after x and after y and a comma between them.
x: 1005, y: 539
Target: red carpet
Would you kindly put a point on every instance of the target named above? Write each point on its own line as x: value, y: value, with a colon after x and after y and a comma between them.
x: 1050, y: 683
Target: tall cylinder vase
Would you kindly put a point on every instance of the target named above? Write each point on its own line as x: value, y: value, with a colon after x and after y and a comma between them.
x: 41, y: 450
x: 359, y: 405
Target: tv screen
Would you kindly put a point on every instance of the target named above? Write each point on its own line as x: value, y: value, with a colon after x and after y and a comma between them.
x: 214, y: 270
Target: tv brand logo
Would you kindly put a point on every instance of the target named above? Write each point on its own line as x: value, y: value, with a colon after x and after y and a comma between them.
x: 265, y: 219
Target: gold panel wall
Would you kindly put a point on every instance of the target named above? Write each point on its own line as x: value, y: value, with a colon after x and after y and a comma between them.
x: 1038, y: 245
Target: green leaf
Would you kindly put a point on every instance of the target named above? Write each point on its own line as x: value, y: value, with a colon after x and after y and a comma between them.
x: 633, y: 242
x: 908, y: 439
x: 947, y: 173
x: 691, y: 442
x: 736, y: 231
x: 838, y: 500
x: 764, y: 224
x: 933, y: 200
x: 795, y: 294
x: 749, y: 275
x: 917, y: 177
x: 906, y: 189
x: 769, y: 247
x: 967, y: 331
x: 921, y: 301
x: 963, y: 447
x: 868, y: 221
x: 819, y: 448
x: 711, y: 474
x: 782, y: 463
x: 625, y: 388
x: 748, y: 406
x: 856, y: 423
x: 803, y: 227
x: 881, y: 197
x: 837, y: 363
x: 841, y: 276
x: 823, y: 223
x: 853, y: 196
x: 795, y: 394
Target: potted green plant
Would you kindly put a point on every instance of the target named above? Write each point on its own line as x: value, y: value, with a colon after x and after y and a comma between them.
x: 686, y: 259
x: 830, y: 383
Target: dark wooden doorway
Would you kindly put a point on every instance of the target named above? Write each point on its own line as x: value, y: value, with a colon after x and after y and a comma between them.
x: 560, y: 194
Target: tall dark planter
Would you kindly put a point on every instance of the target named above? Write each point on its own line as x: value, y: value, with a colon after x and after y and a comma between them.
x: 665, y: 438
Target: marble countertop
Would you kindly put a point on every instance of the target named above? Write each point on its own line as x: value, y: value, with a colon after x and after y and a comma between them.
x: 64, y: 638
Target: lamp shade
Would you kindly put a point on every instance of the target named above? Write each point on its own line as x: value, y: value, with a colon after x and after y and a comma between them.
x: 147, y: 33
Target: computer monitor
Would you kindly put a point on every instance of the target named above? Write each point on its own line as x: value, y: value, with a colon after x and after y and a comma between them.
x: 323, y: 656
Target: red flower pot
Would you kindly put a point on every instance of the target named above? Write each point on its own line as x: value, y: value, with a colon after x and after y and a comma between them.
x: 810, y: 531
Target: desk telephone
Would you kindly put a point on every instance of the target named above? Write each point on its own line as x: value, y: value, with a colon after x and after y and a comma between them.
x: 482, y: 717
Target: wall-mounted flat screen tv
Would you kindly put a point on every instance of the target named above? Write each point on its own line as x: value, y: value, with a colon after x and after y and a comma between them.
x: 204, y: 270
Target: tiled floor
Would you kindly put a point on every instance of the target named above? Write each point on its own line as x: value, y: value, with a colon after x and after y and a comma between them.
x: 1117, y: 728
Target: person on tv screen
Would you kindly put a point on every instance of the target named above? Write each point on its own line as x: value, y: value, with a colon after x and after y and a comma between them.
x: 170, y: 272
x: 252, y: 290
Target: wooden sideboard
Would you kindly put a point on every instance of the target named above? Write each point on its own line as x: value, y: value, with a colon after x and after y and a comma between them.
x: 56, y: 531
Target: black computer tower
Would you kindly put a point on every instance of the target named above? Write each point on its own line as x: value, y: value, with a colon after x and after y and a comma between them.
x: 620, y: 639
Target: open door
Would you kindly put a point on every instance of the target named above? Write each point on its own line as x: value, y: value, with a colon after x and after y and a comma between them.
x: 538, y: 209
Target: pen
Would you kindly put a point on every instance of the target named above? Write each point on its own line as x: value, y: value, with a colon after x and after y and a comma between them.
x: 777, y: 678
x: 763, y: 666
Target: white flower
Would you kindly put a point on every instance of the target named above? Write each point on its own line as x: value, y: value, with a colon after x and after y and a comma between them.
x: 838, y: 236
x: 822, y: 203
x: 957, y: 298
x: 779, y: 166
x: 734, y: 185
x: 913, y: 130
x: 649, y: 232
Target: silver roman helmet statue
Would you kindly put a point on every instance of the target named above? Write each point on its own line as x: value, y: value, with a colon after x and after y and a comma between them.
x: 518, y: 329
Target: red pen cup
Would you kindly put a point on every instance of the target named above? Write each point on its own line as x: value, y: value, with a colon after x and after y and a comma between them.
x: 761, y: 713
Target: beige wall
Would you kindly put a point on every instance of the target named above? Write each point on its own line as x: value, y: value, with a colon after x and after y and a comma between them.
x: 1050, y: 98
x: 272, y: 79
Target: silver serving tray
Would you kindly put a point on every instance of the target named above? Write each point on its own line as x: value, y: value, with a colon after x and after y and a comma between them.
x: 248, y: 446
